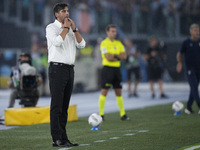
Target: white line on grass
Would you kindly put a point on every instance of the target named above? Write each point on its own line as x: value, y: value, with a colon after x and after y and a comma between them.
x: 193, y: 147
x: 129, y: 134
x: 65, y: 148
x: 114, y: 138
x: 99, y: 141
x: 84, y: 144
x: 143, y: 131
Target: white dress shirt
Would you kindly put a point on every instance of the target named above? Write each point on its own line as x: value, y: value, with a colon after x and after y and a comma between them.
x: 59, y: 50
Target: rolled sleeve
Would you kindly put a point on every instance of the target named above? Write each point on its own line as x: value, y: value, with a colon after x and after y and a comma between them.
x: 81, y: 44
x: 52, y: 36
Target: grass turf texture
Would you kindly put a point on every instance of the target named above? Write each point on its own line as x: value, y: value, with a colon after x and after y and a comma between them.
x: 151, y: 128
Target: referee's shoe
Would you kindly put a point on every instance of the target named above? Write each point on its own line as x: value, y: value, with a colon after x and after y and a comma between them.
x: 125, y: 117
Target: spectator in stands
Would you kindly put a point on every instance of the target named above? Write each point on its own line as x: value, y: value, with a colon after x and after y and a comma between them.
x: 154, y: 57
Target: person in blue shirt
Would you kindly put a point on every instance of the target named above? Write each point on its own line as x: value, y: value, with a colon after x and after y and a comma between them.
x: 190, y: 48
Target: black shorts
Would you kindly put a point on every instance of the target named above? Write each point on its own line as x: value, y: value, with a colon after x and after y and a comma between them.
x: 155, y: 73
x: 135, y: 71
x: 111, y: 76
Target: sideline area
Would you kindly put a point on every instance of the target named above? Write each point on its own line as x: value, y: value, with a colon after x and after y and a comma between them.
x: 87, y: 103
x: 191, y: 147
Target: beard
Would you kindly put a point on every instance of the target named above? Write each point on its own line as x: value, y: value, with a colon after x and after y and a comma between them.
x: 63, y: 19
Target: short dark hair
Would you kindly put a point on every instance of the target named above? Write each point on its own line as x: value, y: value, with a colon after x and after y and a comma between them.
x: 110, y: 26
x: 58, y: 7
x: 25, y: 55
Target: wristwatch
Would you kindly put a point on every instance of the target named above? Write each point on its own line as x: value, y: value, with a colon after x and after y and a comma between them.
x: 75, y: 30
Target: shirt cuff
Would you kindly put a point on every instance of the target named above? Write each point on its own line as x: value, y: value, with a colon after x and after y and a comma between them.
x: 81, y: 44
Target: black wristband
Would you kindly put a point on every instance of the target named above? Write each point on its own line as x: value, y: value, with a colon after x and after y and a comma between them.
x: 67, y: 28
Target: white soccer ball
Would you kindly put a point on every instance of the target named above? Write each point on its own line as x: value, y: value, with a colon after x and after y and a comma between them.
x: 177, y: 106
x: 95, y: 120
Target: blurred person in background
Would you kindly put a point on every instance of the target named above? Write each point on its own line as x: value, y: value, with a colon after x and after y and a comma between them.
x: 40, y: 62
x: 132, y: 66
x: 44, y: 66
x: 62, y: 40
x: 98, y: 60
x: 16, y: 78
x: 154, y: 57
x: 86, y: 54
x: 190, y: 48
x: 112, y: 51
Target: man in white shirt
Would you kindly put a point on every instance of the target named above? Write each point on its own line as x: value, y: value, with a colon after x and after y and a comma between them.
x: 62, y: 39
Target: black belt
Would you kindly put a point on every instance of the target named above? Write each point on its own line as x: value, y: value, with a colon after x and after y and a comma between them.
x: 60, y: 64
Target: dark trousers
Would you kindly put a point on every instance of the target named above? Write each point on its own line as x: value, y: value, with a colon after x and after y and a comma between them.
x: 193, y: 76
x: 61, y: 79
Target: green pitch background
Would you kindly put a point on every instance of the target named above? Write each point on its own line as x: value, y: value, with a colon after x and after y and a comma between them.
x: 151, y: 128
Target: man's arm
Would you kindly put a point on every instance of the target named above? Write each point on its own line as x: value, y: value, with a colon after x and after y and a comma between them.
x: 114, y: 57
x: 66, y: 26
x: 53, y: 37
x: 179, y: 64
x: 77, y: 34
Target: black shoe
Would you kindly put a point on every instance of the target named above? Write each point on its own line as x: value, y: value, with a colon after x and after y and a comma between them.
x: 59, y: 143
x: 103, y: 118
x: 135, y: 95
x: 69, y: 144
x: 130, y: 95
x: 163, y: 96
x: 124, y: 117
x: 153, y: 96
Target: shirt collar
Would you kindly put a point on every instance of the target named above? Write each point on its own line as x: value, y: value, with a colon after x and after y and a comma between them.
x: 110, y: 40
x: 58, y: 24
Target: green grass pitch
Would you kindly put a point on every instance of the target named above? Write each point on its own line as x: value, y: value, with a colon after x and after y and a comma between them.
x: 150, y: 128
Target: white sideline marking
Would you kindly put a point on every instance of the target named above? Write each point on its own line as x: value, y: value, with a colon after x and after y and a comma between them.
x: 143, y: 131
x: 84, y: 144
x: 100, y: 141
x: 65, y: 148
x: 114, y: 138
x: 193, y: 147
x: 129, y: 134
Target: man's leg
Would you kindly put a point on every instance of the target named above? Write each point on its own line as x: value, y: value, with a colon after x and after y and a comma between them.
x: 151, y: 83
x: 160, y: 84
x: 120, y: 101
x: 193, y: 82
x: 102, y: 101
x: 57, y: 80
x: 135, y: 87
x: 67, y: 96
x: 190, y: 101
x: 129, y: 82
x: 13, y: 96
x: 137, y: 80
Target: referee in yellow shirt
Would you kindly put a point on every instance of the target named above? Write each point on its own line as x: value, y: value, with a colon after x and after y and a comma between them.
x: 112, y: 52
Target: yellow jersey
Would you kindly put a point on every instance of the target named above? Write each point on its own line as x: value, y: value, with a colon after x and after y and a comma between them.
x: 111, y: 47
